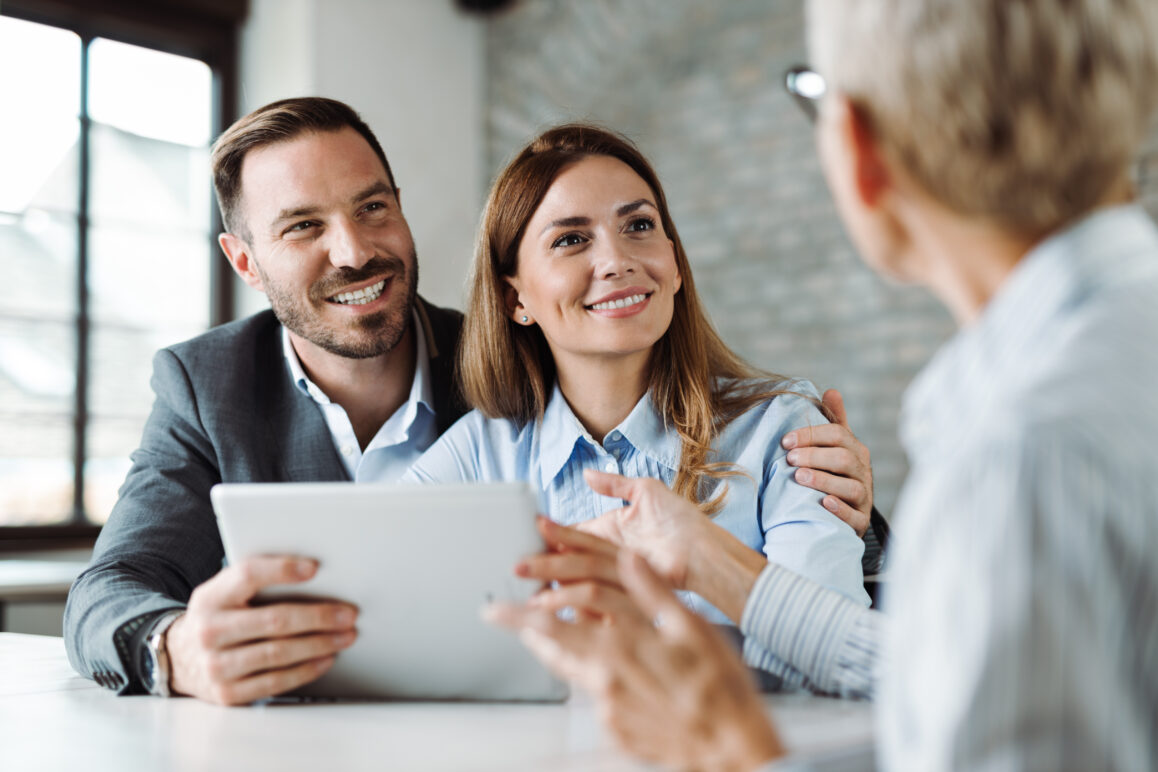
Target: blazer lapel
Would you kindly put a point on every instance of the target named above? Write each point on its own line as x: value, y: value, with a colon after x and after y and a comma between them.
x: 296, y: 430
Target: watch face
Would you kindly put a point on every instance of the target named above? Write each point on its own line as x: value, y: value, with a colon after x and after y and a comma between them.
x: 148, y: 668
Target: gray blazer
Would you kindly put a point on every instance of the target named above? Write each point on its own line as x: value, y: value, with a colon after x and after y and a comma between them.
x: 225, y: 411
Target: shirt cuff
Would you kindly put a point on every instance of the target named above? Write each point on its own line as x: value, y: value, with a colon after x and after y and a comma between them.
x: 815, y: 631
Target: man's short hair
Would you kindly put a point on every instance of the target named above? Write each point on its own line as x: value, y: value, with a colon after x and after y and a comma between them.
x: 278, y: 121
x: 1018, y: 111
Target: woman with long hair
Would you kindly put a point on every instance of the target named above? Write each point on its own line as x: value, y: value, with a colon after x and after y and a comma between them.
x: 586, y: 347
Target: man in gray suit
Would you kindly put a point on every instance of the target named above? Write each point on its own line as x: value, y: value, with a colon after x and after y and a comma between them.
x: 349, y: 377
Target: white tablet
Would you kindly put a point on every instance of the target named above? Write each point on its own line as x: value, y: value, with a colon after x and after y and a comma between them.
x: 419, y: 561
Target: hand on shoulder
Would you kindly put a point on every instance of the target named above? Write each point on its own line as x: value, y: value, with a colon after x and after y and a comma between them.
x: 829, y: 458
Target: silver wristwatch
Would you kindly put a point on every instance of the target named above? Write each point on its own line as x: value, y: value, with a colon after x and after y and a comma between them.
x: 156, y: 671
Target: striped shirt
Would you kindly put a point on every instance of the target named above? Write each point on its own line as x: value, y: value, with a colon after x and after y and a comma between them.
x: 1022, y: 608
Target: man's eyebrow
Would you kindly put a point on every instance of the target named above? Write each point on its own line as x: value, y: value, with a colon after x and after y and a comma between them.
x: 376, y: 189
x: 293, y: 214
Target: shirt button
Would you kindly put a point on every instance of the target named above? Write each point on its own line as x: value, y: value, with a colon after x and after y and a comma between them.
x: 347, y: 450
x: 610, y: 466
x: 614, y: 436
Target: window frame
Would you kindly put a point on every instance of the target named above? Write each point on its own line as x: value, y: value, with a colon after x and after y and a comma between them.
x: 207, y: 30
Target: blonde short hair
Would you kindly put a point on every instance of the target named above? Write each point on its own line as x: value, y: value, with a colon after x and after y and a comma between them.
x: 1022, y: 112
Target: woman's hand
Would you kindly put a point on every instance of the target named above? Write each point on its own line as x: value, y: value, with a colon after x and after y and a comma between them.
x: 656, y: 523
x: 578, y: 570
x: 679, y: 542
x: 832, y: 460
x: 675, y: 694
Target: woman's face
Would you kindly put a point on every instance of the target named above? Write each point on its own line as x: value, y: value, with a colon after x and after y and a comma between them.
x: 595, y: 269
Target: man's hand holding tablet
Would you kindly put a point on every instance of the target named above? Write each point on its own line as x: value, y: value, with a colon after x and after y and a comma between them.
x: 224, y: 650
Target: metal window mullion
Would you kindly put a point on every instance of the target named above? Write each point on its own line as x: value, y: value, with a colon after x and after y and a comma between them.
x: 80, y: 425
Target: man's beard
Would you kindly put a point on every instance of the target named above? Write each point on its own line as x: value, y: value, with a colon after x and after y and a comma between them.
x: 366, y: 336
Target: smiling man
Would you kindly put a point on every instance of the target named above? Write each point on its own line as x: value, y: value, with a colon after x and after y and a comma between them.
x: 348, y: 377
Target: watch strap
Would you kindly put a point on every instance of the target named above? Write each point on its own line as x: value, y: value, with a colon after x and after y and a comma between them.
x: 159, y: 653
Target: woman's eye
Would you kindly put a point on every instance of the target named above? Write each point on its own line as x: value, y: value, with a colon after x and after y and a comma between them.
x: 567, y: 240
x: 641, y: 224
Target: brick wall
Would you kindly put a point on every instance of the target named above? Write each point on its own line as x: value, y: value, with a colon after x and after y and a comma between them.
x: 697, y: 85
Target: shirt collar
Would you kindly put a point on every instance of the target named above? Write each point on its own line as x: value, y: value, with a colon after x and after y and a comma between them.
x: 1109, y: 246
x: 421, y: 391
x: 647, y: 432
x: 643, y: 429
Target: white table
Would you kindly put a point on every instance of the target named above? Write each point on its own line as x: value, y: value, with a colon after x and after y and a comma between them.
x: 52, y: 719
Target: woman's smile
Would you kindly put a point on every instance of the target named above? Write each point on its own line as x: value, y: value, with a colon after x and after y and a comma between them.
x: 626, y: 302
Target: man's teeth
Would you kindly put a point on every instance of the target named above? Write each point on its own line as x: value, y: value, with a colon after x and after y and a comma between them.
x: 360, y: 297
x: 621, y: 303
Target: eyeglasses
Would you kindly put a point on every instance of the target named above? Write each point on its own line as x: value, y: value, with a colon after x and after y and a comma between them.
x: 807, y: 87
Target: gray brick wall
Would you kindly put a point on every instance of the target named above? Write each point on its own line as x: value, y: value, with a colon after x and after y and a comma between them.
x: 697, y: 85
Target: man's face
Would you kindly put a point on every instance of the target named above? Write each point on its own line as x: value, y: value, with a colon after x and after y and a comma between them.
x: 329, y: 244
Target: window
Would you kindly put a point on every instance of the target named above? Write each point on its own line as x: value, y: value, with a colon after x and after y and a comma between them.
x: 106, y: 231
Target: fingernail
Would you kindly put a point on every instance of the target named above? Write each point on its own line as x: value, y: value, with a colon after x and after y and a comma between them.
x: 304, y: 568
x: 522, y: 569
x: 803, y: 476
x: 829, y: 503
x: 788, y: 440
x: 793, y: 456
x: 346, y: 617
x: 344, y: 639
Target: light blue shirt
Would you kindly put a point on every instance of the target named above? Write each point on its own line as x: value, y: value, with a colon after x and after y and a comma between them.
x: 765, y: 507
x: 1021, y: 628
x: 400, y: 441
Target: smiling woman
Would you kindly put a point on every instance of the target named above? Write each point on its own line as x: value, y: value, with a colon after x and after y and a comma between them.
x: 586, y: 347
x: 597, y: 273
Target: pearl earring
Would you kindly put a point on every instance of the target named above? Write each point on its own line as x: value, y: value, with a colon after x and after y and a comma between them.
x: 524, y: 318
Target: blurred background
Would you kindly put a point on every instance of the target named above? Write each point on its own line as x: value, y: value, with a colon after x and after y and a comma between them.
x: 107, y: 221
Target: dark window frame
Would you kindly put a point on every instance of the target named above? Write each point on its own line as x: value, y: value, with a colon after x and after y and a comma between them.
x: 207, y: 30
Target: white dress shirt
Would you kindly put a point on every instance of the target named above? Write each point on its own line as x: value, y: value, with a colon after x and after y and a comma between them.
x: 400, y: 441
x: 1022, y: 607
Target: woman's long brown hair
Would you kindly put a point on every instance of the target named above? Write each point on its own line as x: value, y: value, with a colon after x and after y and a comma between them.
x: 696, y: 382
